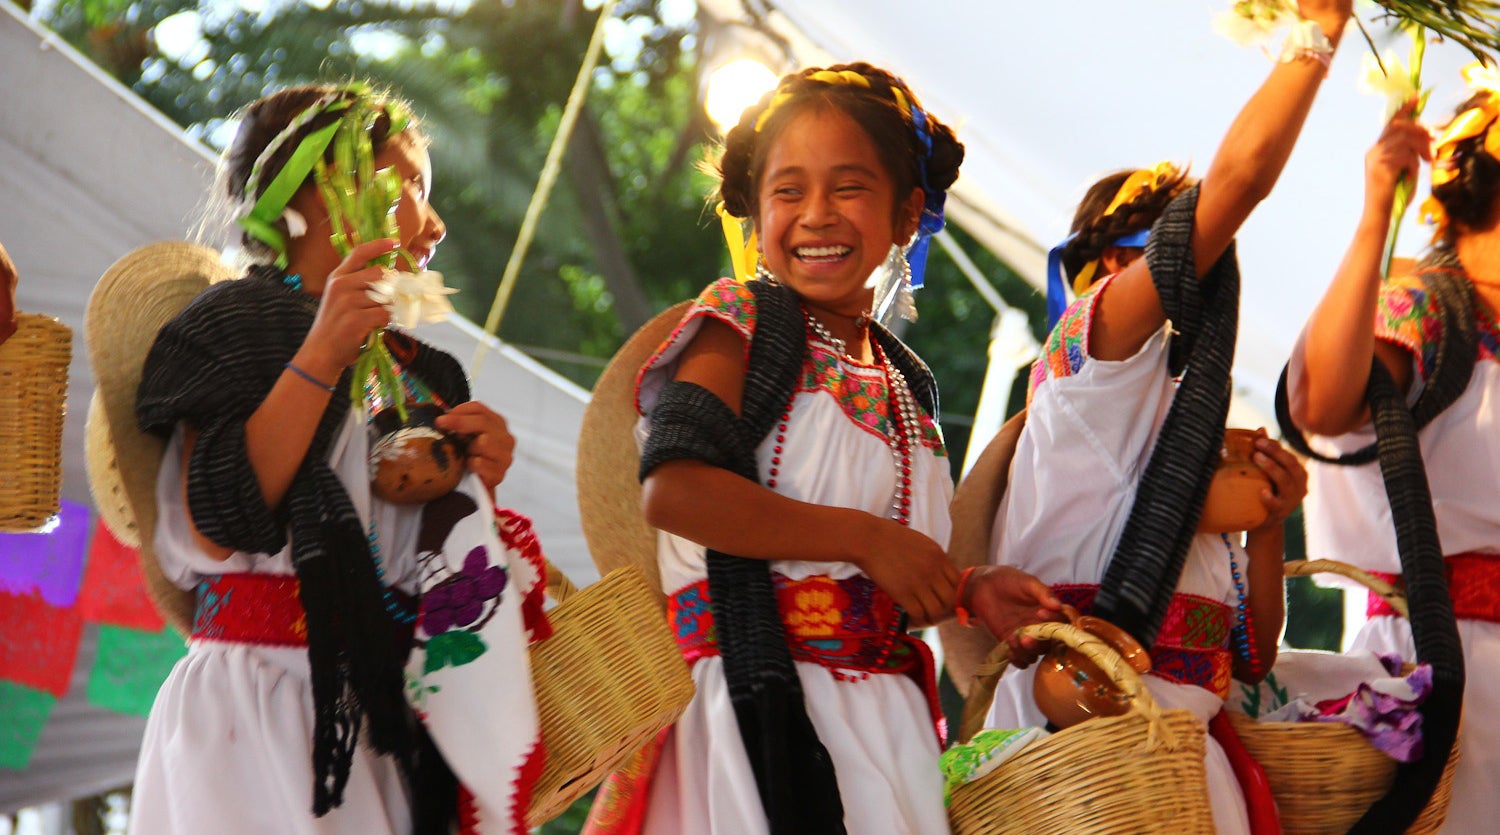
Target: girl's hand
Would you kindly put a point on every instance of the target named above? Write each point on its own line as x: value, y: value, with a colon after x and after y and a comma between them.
x: 1288, y: 480
x: 1006, y: 599
x: 911, y: 568
x: 491, y: 446
x: 1331, y: 15
x: 1402, y: 146
x: 346, y: 313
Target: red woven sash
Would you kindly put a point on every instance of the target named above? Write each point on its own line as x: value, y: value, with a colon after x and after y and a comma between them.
x: 1473, y: 583
x: 1192, y: 646
x: 250, y: 609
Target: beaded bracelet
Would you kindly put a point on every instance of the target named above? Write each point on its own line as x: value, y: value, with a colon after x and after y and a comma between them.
x: 959, y: 609
x: 1307, y: 40
x: 310, y: 378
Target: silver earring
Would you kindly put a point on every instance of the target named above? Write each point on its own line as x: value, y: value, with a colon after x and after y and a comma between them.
x: 891, y: 282
x: 906, y: 303
x: 763, y: 272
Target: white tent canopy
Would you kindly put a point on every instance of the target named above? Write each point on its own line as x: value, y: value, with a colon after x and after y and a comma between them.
x: 1049, y: 96
x: 88, y: 173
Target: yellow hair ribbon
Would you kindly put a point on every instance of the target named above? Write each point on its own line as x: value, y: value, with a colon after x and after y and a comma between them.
x: 1465, y: 125
x: 840, y: 77
x: 776, y: 101
x: 741, y: 251
x: 849, y: 77
x: 901, y: 102
x: 1473, y: 122
x: 1141, y: 182
x: 1085, y: 277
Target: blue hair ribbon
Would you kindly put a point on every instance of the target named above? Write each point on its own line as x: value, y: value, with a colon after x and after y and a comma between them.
x: 931, y: 222
x: 1057, y: 295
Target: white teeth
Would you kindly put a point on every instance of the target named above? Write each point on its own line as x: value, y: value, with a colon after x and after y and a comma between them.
x: 822, y: 251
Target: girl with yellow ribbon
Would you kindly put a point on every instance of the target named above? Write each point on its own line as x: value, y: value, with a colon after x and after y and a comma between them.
x: 1438, y: 315
x: 1126, y: 416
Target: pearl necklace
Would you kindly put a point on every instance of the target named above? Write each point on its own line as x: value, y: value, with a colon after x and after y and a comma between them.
x: 905, y: 432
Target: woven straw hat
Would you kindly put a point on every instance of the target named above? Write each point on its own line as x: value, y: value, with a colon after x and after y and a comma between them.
x: 136, y: 296
x: 975, y: 503
x: 609, y: 494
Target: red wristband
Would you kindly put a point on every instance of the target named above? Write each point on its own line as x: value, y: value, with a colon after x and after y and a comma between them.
x: 959, y: 608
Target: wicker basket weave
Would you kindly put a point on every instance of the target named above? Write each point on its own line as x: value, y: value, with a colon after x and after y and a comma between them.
x: 1325, y: 775
x: 1134, y: 774
x: 607, y: 682
x: 33, y: 391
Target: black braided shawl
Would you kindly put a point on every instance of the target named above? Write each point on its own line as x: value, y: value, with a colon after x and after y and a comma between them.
x: 211, y: 367
x: 1433, y: 626
x: 1143, y: 573
x: 793, y: 771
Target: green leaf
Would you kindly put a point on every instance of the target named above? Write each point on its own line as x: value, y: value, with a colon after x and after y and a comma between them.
x: 452, y: 649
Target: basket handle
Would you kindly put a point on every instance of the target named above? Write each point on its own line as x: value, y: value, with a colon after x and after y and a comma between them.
x: 559, y: 587
x: 987, y: 676
x: 1388, y: 592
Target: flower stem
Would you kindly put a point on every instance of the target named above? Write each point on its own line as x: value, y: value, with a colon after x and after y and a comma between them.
x: 1406, y: 186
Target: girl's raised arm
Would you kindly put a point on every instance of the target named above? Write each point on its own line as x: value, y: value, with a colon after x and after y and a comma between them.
x: 1246, y: 166
x: 1330, y: 365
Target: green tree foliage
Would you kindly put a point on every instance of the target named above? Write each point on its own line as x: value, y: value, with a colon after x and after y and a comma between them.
x: 626, y: 232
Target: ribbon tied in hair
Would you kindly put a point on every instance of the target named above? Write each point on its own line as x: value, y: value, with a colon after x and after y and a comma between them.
x: 742, y: 251
x: 1139, y: 183
x: 1476, y: 121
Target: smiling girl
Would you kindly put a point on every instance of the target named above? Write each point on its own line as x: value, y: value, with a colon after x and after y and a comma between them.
x: 792, y: 458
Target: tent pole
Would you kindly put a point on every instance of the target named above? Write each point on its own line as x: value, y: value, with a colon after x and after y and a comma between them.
x: 545, y: 182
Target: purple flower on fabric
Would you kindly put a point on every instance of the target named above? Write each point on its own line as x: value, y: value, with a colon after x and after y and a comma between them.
x: 459, y: 600
x: 1385, y: 711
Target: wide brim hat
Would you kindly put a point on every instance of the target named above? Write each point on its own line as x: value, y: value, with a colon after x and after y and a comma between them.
x: 136, y: 296
x: 975, y: 503
x: 609, y: 490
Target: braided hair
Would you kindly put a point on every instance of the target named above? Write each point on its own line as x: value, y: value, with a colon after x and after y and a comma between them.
x: 261, y: 122
x: 1094, y: 231
x: 1472, y: 197
x: 876, y: 108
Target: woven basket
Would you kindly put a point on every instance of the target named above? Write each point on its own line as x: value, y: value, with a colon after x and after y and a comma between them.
x: 33, y: 391
x: 607, y: 682
x: 1137, y: 774
x: 1325, y: 775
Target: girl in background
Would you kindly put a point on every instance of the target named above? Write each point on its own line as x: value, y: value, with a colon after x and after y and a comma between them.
x: 1111, y: 470
x: 1401, y: 324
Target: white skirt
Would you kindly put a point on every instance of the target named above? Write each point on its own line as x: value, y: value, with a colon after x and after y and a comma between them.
x: 228, y: 751
x: 1476, y: 778
x: 878, y: 732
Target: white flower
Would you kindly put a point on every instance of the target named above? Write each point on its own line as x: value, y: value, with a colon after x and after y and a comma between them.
x: 296, y: 224
x: 412, y: 298
x: 1253, y: 22
x: 1482, y: 78
x: 1394, y: 83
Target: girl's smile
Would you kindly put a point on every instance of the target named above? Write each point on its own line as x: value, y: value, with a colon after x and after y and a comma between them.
x: 828, y: 211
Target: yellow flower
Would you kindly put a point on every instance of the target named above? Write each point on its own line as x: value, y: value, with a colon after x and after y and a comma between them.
x: 412, y: 298
x: 1395, y: 82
